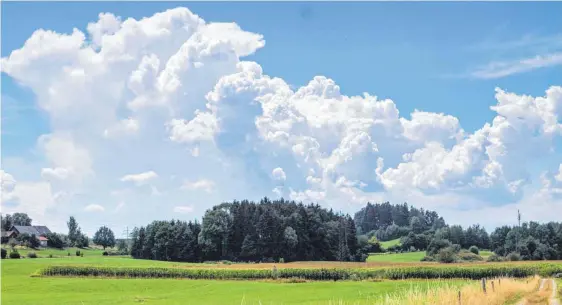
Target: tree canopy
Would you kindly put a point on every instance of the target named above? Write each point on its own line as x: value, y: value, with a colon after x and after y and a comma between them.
x: 16, y: 219
x: 250, y: 231
x: 104, y: 237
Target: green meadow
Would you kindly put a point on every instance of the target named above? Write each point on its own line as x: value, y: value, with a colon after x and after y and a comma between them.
x: 407, y: 257
x: 390, y: 243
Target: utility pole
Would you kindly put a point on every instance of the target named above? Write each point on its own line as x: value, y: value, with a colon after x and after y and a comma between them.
x: 126, y: 232
x: 518, y: 231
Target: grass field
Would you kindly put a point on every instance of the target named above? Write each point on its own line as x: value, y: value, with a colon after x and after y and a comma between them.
x: 390, y: 243
x: 19, y: 288
x: 407, y: 257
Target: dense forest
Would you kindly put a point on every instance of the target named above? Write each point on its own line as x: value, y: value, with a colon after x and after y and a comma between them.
x: 248, y: 231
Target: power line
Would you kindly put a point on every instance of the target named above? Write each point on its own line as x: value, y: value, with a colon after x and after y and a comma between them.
x: 126, y: 233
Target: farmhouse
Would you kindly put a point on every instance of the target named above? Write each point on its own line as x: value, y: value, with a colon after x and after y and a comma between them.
x: 8, y: 234
x: 39, y: 231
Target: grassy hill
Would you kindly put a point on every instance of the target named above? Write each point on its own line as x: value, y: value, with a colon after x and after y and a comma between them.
x: 407, y: 257
x: 390, y: 243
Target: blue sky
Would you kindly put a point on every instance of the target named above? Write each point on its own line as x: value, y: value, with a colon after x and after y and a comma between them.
x: 438, y: 58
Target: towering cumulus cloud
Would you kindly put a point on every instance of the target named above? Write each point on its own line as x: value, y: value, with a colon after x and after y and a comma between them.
x: 172, y: 93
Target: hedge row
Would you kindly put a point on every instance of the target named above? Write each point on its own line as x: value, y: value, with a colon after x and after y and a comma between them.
x: 465, y: 272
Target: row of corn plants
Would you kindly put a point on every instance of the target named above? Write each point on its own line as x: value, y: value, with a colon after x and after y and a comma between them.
x: 393, y: 273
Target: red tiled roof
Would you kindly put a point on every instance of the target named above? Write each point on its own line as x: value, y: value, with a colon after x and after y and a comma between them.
x: 41, y: 238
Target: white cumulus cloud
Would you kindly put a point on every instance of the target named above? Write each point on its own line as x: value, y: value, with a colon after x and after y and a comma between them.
x: 186, y: 209
x: 203, y: 185
x: 278, y: 174
x: 141, y: 178
x: 174, y: 93
x: 94, y: 208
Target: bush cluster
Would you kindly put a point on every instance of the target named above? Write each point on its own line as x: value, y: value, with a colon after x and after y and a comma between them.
x: 15, y: 254
x: 513, y: 257
x: 112, y: 253
x: 466, y: 272
x: 4, y: 253
x: 32, y: 255
x: 495, y: 258
x: 447, y: 255
x: 469, y: 256
x: 428, y: 259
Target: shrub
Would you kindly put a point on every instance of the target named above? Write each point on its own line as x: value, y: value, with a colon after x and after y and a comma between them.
x: 465, y: 255
x: 77, y: 252
x: 363, y: 257
x: 32, y: 255
x: 456, y: 248
x: 4, y: 253
x: 437, y: 244
x: 13, y: 243
x: 33, y: 242
x: 81, y: 254
x: 50, y: 256
x: 122, y: 247
x: 427, y: 259
x: 105, y: 253
x: 513, y: 257
x: 394, y: 248
x: 447, y: 255
x: 55, y: 241
x: 474, y: 250
x: 374, y: 245
x: 15, y: 254
x: 281, y: 261
x: 68, y: 253
x: 494, y: 258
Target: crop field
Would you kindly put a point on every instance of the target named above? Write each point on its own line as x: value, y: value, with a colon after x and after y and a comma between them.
x: 20, y: 287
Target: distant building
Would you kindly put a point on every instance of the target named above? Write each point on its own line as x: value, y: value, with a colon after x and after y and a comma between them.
x: 39, y: 231
x: 6, y: 235
x: 43, y: 241
x: 9, y: 234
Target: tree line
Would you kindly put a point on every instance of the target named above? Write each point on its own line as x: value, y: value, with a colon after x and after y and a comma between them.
x: 531, y: 240
x: 281, y: 230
